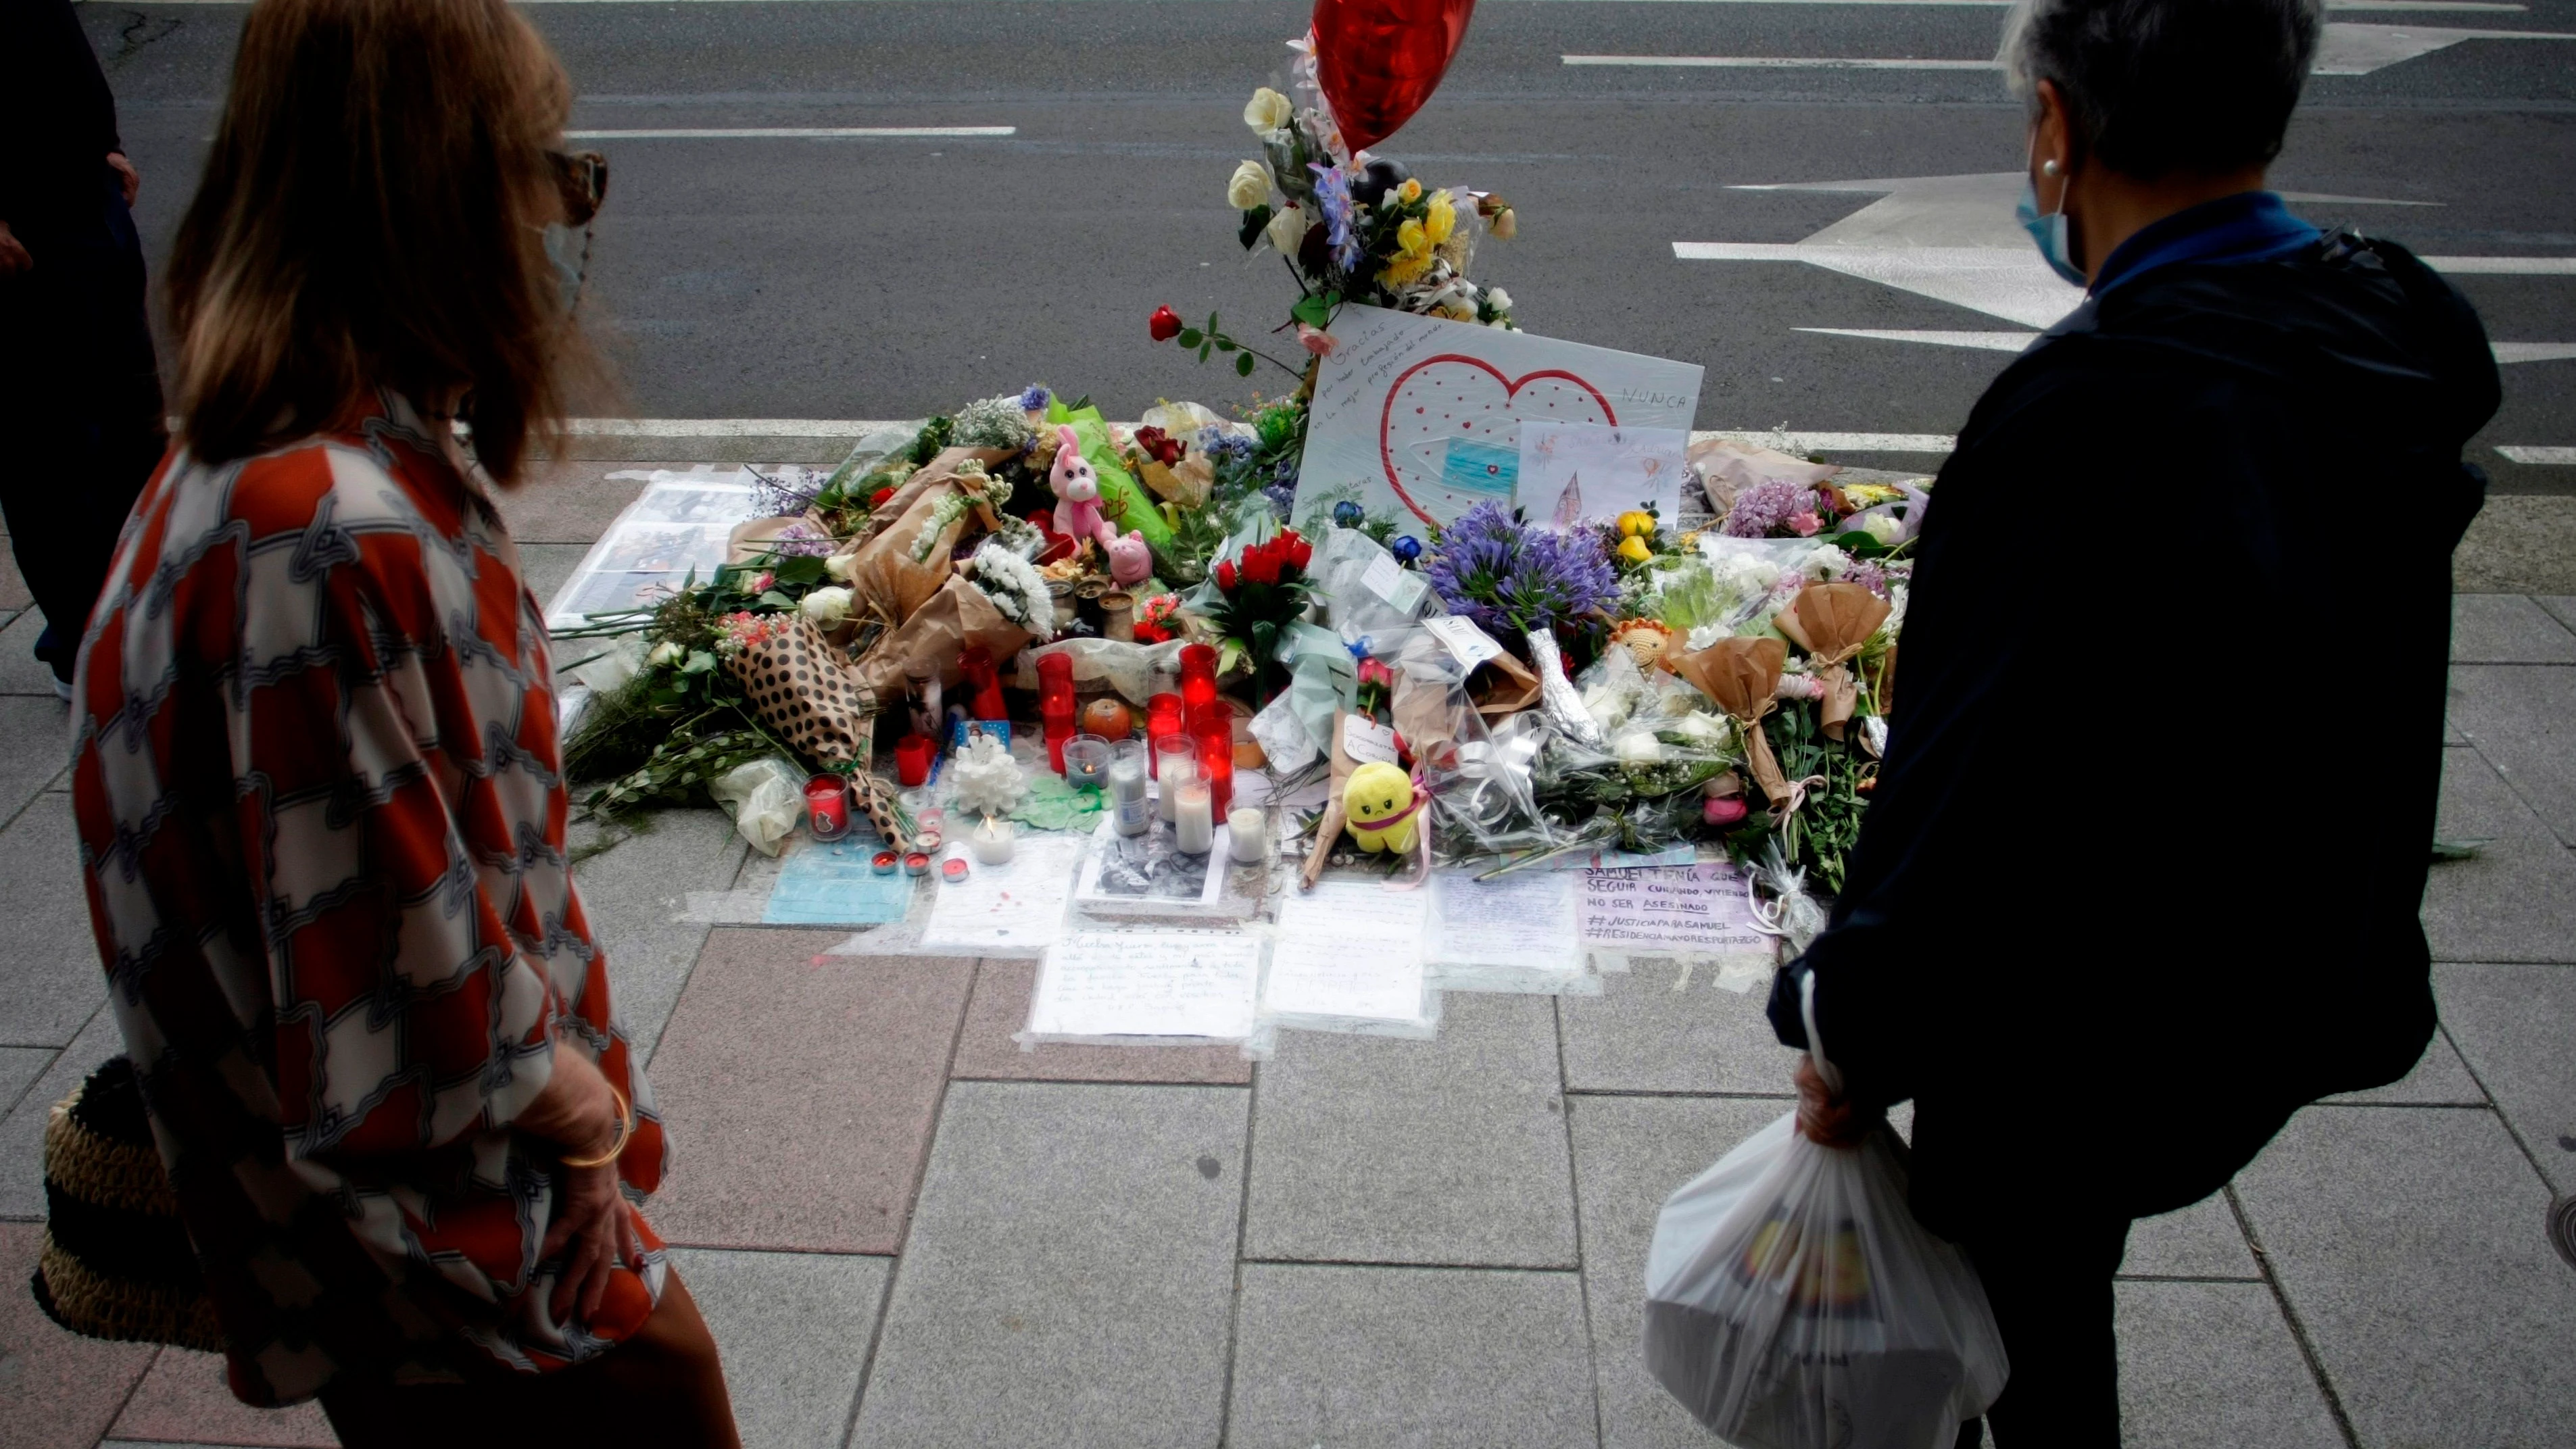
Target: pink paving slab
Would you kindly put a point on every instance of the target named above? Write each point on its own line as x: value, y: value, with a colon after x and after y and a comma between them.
x: 184, y: 1399
x: 1001, y: 1007
x: 59, y: 1390
x: 800, y: 1091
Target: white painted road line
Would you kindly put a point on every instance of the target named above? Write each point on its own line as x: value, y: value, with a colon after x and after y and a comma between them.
x: 799, y: 133
x: 1778, y: 62
x: 2504, y: 266
x: 2545, y: 457
x: 723, y: 427
x: 2506, y: 353
x: 1788, y: 441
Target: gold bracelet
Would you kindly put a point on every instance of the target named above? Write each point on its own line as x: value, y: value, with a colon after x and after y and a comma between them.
x: 625, y: 1130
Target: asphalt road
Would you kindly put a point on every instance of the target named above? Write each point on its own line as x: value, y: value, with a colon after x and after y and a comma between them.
x: 790, y: 278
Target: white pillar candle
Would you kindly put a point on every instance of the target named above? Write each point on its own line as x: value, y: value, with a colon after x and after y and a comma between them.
x: 1128, y: 805
x: 992, y: 841
x: 1193, y: 822
x: 1249, y: 830
x: 1177, y: 768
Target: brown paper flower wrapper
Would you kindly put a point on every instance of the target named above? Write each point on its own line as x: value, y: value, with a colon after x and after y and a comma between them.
x: 1743, y: 676
x: 1507, y: 687
x: 1831, y: 622
x: 1329, y: 829
x: 936, y: 635
x: 891, y: 569
x: 804, y: 689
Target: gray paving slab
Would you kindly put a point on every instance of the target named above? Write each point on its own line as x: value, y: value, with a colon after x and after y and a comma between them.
x: 185, y: 1397
x: 2438, y: 1079
x: 58, y: 1390
x: 22, y: 1129
x: 19, y: 1069
x: 2409, y: 1242
x: 1629, y: 1155
x: 21, y: 672
x: 1373, y: 1150
x: 2507, y: 629
x: 2213, y: 1366
x: 2513, y: 1025
x: 1641, y: 1034
x: 572, y: 502
x: 1070, y: 1271
x: 14, y: 594
x: 35, y: 746
x: 2561, y: 607
x: 544, y: 567
x: 2522, y: 718
x: 794, y: 1331
x: 2512, y: 902
x: 1440, y: 1358
x: 50, y: 980
x: 636, y: 894
x: 2200, y: 1241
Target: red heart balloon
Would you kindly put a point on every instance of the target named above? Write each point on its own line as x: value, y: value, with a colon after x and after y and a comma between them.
x: 1379, y: 60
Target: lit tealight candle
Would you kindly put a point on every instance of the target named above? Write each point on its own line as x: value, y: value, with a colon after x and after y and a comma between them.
x: 1249, y: 831
x: 992, y: 841
x: 1193, y: 822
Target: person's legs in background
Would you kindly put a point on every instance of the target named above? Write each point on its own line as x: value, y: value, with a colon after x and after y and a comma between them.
x: 80, y: 400
x: 2052, y: 1297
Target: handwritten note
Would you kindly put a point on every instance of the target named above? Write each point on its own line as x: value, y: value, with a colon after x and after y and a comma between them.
x: 1349, y: 950
x: 1593, y: 474
x: 1148, y: 983
x: 1471, y: 645
x: 1525, y: 919
x: 1670, y: 910
x: 1019, y: 904
x: 1421, y: 417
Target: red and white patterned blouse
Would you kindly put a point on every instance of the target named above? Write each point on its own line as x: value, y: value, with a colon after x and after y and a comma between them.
x: 321, y: 812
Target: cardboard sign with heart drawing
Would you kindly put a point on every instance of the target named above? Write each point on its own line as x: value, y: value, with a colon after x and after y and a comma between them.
x: 1420, y: 417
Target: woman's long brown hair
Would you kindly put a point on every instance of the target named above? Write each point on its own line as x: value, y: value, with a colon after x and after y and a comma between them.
x: 372, y: 216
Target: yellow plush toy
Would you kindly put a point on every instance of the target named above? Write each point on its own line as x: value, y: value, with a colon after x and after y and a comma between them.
x: 1379, y: 800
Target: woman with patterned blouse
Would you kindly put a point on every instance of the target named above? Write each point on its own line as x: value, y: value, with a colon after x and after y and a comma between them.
x: 317, y: 777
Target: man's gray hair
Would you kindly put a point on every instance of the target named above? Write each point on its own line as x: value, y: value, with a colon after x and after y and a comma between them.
x: 2154, y: 87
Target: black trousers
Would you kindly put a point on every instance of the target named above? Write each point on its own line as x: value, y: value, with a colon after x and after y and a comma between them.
x: 2051, y: 1292
x: 80, y: 403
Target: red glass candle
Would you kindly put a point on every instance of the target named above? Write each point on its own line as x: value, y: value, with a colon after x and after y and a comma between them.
x: 912, y: 756
x: 1162, y: 721
x: 1216, y: 766
x: 827, y: 806
x: 1198, y: 674
x: 1056, y: 708
x: 983, y: 682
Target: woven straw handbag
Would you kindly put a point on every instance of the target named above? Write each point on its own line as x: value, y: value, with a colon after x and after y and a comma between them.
x: 116, y: 1262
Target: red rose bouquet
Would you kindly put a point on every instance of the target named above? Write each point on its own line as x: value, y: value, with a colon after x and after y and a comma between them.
x: 1258, y: 593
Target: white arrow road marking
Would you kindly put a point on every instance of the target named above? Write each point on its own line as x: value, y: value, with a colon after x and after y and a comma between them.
x: 797, y: 133
x: 2350, y: 49
x: 2558, y: 457
x: 2505, y: 352
x: 1953, y: 239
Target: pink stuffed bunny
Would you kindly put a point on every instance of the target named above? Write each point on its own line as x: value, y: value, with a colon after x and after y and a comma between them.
x: 1130, y: 562
x: 1077, y: 491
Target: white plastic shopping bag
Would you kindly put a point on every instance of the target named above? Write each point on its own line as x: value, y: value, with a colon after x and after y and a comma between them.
x: 1793, y: 1302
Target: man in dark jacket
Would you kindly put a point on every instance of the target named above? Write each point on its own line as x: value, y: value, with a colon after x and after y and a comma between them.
x: 80, y: 398
x: 2138, y: 881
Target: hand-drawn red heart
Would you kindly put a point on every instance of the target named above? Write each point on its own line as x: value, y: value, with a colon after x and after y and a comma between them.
x: 1452, y: 396
x: 1379, y: 60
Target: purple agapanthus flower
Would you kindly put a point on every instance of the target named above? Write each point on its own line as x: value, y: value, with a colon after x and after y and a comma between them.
x: 1509, y: 576
x: 801, y: 540
x: 1333, y: 198
x: 1766, y: 506
x: 790, y: 492
x: 1037, y: 396
x: 1283, y: 498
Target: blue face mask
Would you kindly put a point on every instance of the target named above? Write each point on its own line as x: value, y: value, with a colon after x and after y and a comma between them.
x: 2048, y: 233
